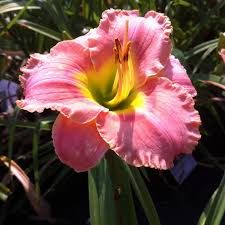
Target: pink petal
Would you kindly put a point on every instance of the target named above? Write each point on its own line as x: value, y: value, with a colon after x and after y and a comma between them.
x: 58, y: 81
x: 77, y: 145
x: 149, y: 36
x: 222, y: 53
x: 154, y: 134
x: 101, y: 39
x: 177, y: 74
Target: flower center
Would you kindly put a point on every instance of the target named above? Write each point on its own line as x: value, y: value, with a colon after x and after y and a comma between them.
x: 124, y: 79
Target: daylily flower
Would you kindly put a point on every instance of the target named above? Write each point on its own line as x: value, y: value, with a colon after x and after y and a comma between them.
x: 222, y: 54
x: 118, y: 87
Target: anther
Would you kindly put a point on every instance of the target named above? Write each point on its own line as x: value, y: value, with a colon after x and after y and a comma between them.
x: 118, y: 48
x: 117, y: 57
x: 126, y: 51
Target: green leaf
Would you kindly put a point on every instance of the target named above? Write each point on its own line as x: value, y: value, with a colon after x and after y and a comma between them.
x: 60, y: 177
x: 12, y: 128
x: 66, y: 36
x: 182, y: 3
x: 214, y: 211
x: 14, y: 20
x: 36, y: 135
x: 216, y: 115
x: 57, y: 14
x: 201, y: 47
x: 40, y: 29
x: 144, y: 173
x: 203, y: 57
x: 4, y: 192
x: 12, y: 6
x: 101, y: 196
x: 209, y: 77
x: 123, y: 194
x: 7, y: 44
x: 29, y: 125
x: 143, y: 194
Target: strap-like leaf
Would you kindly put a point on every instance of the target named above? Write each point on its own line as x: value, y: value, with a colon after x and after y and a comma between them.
x: 40, y: 29
x: 143, y: 194
x: 214, y: 212
x: 123, y: 194
x: 101, y: 196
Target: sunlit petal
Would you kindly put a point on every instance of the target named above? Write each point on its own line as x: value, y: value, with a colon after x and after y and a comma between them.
x: 154, y: 133
x: 177, y: 74
x: 57, y: 81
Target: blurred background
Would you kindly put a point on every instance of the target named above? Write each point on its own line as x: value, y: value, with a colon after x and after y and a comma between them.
x: 181, y: 194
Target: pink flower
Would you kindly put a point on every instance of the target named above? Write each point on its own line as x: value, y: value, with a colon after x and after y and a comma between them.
x: 222, y: 54
x: 118, y: 87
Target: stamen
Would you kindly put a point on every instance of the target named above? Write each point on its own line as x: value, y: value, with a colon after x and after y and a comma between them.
x: 117, y: 57
x: 124, y: 78
x: 126, y: 51
x: 118, y: 49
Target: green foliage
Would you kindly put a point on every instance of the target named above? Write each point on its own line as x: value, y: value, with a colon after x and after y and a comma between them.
x: 214, y: 212
x: 104, y: 201
x: 143, y: 195
x: 101, y: 196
